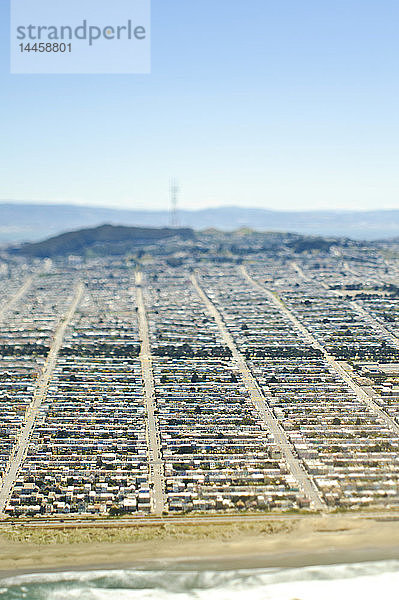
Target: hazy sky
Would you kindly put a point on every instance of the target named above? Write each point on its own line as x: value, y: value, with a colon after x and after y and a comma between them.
x: 282, y: 104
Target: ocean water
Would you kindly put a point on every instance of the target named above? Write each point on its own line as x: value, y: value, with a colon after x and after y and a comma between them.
x: 367, y: 581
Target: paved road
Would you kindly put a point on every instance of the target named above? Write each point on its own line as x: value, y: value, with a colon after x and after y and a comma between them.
x: 259, y: 399
x: 300, y: 271
x: 379, y: 327
x: 20, y: 293
x: 364, y: 393
x: 363, y: 276
x: 139, y: 521
x: 21, y: 446
x: 156, y: 465
x: 192, y: 520
x: 375, y: 323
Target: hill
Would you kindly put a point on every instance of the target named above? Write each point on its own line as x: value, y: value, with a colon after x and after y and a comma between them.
x: 106, y: 238
x: 30, y: 222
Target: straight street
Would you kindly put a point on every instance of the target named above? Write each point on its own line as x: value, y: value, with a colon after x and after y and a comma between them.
x: 260, y: 402
x: 155, y: 461
x: 20, y: 449
x: 20, y: 293
x: 364, y: 393
x: 379, y: 327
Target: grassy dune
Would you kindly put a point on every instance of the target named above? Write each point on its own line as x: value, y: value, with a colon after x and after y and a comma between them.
x: 294, y: 541
x: 143, y: 533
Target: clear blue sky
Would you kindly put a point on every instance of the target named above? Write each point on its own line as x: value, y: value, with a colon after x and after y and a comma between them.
x: 282, y: 104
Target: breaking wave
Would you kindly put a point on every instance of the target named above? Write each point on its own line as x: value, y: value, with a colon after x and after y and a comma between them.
x: 364, y: 580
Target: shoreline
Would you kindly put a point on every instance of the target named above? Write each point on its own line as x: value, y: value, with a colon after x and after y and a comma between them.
x: 307, y: 542
x: 291, y: 560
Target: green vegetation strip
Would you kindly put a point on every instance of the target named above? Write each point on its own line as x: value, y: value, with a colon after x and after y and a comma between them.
x: 43, y: 536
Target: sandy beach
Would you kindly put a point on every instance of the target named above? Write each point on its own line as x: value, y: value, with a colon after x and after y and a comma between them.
x: 277, y: 542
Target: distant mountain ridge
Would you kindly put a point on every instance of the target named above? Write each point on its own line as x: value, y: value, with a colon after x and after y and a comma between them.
x: 30, y: 222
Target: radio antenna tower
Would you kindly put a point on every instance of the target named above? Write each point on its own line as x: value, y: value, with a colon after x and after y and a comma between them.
x: 174, y: 194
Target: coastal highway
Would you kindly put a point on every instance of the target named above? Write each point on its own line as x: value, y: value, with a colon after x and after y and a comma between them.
x: 156, y: 466
x: 21, y: 446
x: 260, y: 402
x: 20, y: 293
x: 68, y: 522
x: 364, y: 393
x: 73, y: 522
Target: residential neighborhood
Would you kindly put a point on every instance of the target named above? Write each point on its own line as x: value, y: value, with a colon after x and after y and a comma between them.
x: 199, y: 380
